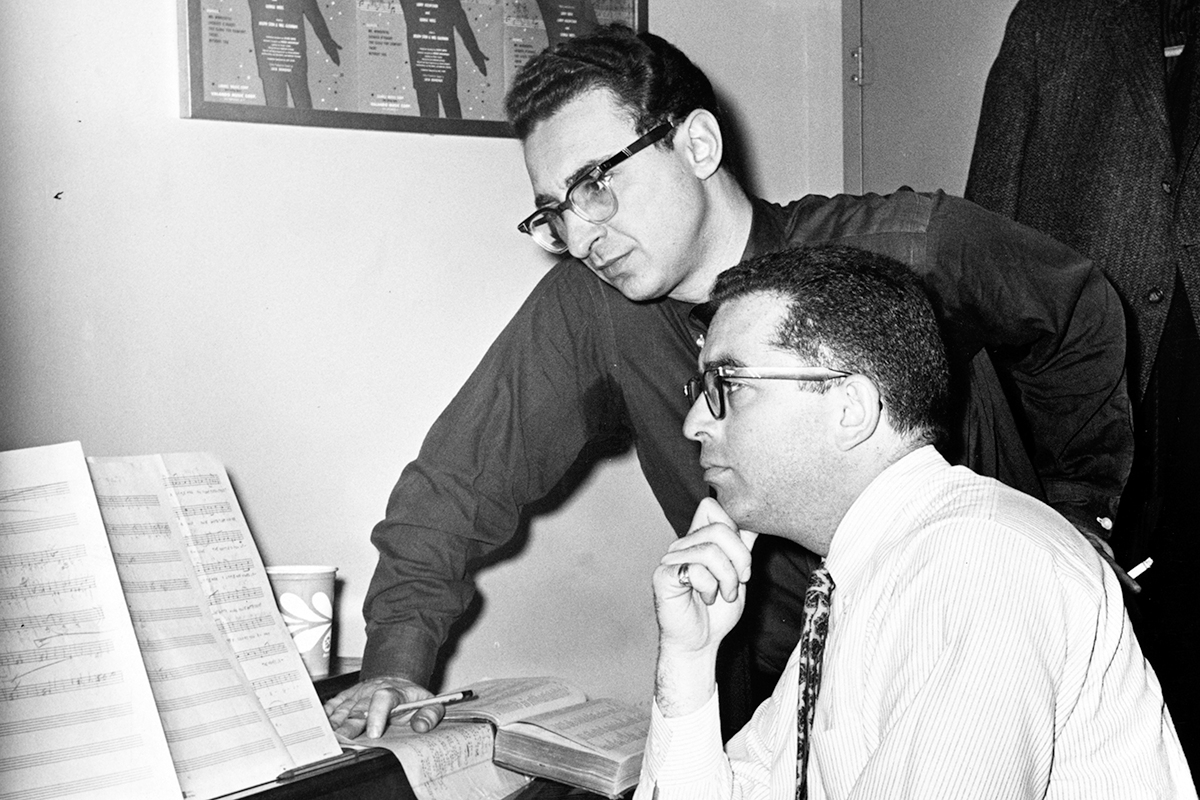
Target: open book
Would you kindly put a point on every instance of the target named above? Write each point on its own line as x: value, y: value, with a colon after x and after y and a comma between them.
x: 141, y: 652
x: 534, y: 726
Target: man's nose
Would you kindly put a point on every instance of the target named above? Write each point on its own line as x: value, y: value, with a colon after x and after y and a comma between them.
x: 696, y: 424
x: 581, y: 235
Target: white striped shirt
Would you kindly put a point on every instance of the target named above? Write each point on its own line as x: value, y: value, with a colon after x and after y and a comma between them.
x: 978, y: 648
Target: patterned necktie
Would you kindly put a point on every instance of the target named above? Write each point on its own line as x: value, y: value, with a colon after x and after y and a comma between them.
x: 812, y: 648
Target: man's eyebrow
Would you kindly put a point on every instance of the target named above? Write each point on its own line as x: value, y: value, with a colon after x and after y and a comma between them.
x: 721, y: 361
x: 546, y: 201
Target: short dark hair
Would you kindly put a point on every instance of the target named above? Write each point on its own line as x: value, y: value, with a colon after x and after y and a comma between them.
x: 860, y: 312
x: 647, y: 75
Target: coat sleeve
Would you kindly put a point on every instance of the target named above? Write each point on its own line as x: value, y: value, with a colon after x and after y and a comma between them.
x: 1055, y: 328
x: 539, y: 396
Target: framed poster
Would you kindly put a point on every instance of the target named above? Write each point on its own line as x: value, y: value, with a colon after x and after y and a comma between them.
x: 432, y: 66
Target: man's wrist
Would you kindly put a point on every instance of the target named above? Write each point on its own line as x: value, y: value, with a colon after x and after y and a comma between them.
x: 685, y: 681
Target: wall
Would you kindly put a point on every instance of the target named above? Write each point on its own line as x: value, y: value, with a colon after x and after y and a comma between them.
x: 302, y: 302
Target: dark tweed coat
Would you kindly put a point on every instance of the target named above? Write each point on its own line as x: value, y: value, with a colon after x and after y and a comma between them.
x: 1074, y: 141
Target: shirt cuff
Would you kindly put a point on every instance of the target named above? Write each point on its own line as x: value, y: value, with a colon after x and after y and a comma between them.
x: 687, y: 750
x: 399, y: 651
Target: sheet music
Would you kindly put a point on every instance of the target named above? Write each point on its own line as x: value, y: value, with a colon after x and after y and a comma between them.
x: 452, y: 761
x: 220, y: 738
x: 77, y: 717
x: 231, y: 574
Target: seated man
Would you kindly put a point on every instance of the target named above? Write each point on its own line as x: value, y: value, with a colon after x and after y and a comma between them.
x: 976, y: 645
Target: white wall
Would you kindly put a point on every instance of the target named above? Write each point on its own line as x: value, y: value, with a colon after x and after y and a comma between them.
x: 302, y: 302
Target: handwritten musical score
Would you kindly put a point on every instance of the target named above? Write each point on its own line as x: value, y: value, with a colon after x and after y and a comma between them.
x: 134, y: 597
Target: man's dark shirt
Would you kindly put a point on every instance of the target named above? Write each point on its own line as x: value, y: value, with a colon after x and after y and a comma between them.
x: 579, y: 362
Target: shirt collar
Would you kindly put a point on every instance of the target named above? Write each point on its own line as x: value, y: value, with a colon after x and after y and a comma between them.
x: 881, y: 515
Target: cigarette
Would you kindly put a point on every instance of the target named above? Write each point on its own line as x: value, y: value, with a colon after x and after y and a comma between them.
x: 1142, y: 567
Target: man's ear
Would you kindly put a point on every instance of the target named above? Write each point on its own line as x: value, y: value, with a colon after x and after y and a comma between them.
x: 699, y: 139
x: 860, y: 411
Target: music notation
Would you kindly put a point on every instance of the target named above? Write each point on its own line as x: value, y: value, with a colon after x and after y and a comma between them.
x: 139, y: 529
x: 40, y: 558
x: 188, y: 671
x: 266, y: 651
x: 61, y: 686
x: 288, y: 708
x: 235, y: 565
x: 151, y: 616
x: 55, y: 653
x: 154, y: 557
x: 204, y: 510
x: 179, y: 642
x: 169, y: 585
x: 56, y: 620
x: 243, y: 625
x: 208, y: 480
x: 236, y: 596
x: 215, y: 537
x: 278, y: 679
x: 84, y: 584
x: 127, y: 500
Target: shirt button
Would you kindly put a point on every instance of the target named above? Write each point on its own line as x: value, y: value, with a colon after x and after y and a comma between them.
x: 1155, y: 295
x: 1167, y: 187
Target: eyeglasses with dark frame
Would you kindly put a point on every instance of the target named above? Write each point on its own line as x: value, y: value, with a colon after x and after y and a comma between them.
x: 591, y: 197
x: 712, y: 382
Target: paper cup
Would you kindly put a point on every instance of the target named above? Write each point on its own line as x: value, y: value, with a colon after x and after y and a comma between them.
x: 304, y: 595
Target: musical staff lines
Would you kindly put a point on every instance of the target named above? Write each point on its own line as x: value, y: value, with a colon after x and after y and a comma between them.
x: 60, y: 721
x: 214, y: 537
x: 152, y: 557
x: 202, y: 481
x: 245, y: 625
x: 71, y: 753
x: 190, y: 671
x: 293, y: 707
x: 44, y: 491
x: 178, y: 643
x: 78, y: 617
x: 164, y: 615
x: 204, y: 510
x: 40, y: 558
x: 236, y: 595
x: 60, y: 653
x: 112, y: 501
x: 266, y: 651
x: 62, y: 686
x: 138, y: 529
x: 39, y: 525
x: 222, y: 567
x: 154, y: 587
x: 209, y: 728
x: 86, y: 583
x: 222, y: 756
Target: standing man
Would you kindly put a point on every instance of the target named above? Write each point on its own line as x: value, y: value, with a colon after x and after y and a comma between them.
x: 623, y: 143
x: 965, y: 641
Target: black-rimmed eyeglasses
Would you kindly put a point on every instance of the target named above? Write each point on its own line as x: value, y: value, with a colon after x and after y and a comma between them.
x: 712, y: 382
x: 590, y: 197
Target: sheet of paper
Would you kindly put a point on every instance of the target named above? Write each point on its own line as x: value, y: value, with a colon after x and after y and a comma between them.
x: 451, y: 762
x: 232, y: 577
x: 77, y: 716
x: 220, y: 737
x: 601, y: 724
